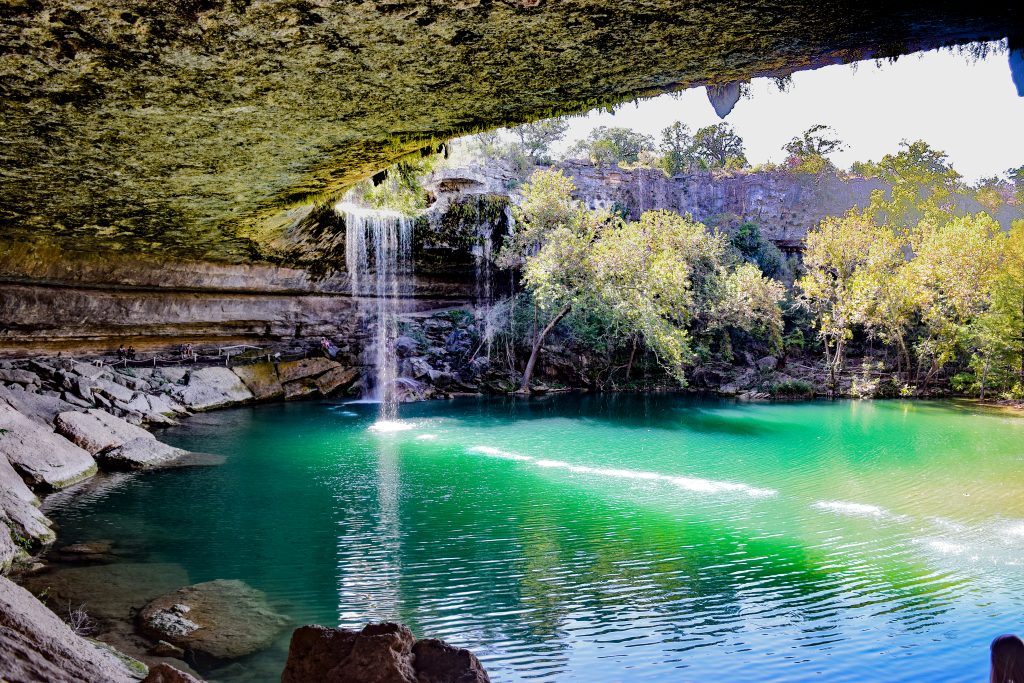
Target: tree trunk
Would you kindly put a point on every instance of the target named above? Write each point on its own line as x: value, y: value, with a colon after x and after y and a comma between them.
x: 524, y: 388
x: 632, y: 354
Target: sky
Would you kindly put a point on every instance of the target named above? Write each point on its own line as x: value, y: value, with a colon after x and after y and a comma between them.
x: 969, y: 110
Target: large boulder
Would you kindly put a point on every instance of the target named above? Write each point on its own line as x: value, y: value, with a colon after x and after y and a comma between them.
x: 164, y: 673
x: 380, y: 653
x: 223, y: 619
x: 145, y: 453
x: 261, y: 379
x: 43, y: 459
x: 336, y: 379
x: 36, y: 407
x: 38, y: 646
x: 290, y: 371
x: 97, y: 430
x: 209, y: 388
x: 19, y: 515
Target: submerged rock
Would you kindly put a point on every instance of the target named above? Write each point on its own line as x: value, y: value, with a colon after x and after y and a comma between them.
x: 44, y: 459
x: 223, y: 619
x: 380, y: 653
x: 38, y: 646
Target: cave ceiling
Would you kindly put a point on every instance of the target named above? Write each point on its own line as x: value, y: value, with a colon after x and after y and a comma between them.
x: 203, y: 128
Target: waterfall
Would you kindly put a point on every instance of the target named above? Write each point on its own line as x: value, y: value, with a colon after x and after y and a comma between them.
x: 378, y: 256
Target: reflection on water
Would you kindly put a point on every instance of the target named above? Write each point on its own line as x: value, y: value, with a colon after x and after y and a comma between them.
x: 608, y: 538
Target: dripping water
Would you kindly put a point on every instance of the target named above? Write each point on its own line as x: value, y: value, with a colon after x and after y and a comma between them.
x: 378, y: 256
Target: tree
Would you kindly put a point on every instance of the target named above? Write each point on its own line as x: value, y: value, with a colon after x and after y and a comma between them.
x: 606, y: 146
x: 719, y: 146
x: 816, y: 141
x: 923, y: 186
x: 553, y: 243
x: 999, y: 359
x: 677, y: 149
x: 536, y: 138
x: 756, y: 249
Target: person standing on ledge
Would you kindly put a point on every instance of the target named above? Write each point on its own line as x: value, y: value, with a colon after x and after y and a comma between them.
x: 1007, y: 660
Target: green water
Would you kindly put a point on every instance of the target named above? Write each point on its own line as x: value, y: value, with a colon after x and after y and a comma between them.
x: 608, y: 538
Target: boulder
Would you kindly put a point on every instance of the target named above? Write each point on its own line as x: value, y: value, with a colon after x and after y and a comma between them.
x: 336, y: 380
x: 380, y: 653
x: 141, y: 453
x: 290, y: 371
x: 91, y: 552
x: 406, y: 346
x: 36, y: 407
x: 97, y: 430
x: 89, y: 370
x: 222, y: 619
x: 300, y: 388
x: 438, y: 662
x: 19, y: 511
x: 38, y: 646
x: 164, y: 673
x: 43, y: 459
x: 9, y: 550
x: 114, y: 391
x: 209, y: 388
x: 261, y: 379
x: 174, y: 375
x: 767, y: 364
x: 16, y: 376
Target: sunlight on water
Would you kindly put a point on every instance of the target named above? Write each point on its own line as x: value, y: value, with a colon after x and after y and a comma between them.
x: 605, y: 539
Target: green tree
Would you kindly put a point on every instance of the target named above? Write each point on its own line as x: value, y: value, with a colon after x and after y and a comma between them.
x: 817, y: 141
x: 536, y: 138
x: 677, y: 149
x: 923, y: 185
x: 719, y: 146
x: 999, y: 359
x: 756, y: 249
x: 606, y: 146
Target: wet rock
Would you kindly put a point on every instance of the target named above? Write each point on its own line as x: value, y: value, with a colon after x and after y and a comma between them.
x: 300, y: 388
x: 19, y: 512
x: 139, y: 454
x: 438, y: 662
x: 165, y: 649
x: 406, y: 346
x: 380, y: 653
x: 223, y: 619
x: 209, y: 388
x: 261, y: 379
x: 44, y: 459
x: 38, y: 646
x: 97, y: 430
x: 109, y: 592
x: 93, y: 552
x: 336, y: 380
x: 164, y: 673
x: 437, y: 326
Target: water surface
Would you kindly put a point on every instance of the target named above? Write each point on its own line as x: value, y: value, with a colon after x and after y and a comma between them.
x: 615, y: 538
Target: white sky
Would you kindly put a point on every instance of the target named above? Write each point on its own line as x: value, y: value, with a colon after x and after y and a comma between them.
x: 970, y: 111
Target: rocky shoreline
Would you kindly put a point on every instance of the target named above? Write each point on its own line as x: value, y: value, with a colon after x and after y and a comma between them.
x: 64, y: 421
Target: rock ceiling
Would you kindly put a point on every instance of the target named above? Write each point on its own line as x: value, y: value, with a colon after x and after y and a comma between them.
x: 200, y: 128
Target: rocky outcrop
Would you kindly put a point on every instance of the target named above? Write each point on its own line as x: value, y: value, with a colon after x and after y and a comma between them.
x: 38, y: 646
x: 96, y: 430
x: 261, y: 379
x: 217, y: 619
x: 208, y: 388
x: 42, y: 458
x: 380, y: 653
x: 144, y: 453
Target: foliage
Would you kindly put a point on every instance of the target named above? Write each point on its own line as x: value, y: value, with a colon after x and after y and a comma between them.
x: 605, y: 146
x: 535, y: 139
x: 400, y: 190
x: 816, y: 141
x: 754, y: 248
x: 792, y: 388
x: 719, y: 146
x: 677, y: 149
x: 923, y: 186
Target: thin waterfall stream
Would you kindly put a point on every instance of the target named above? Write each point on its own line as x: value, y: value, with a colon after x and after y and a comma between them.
x: 378, y: 256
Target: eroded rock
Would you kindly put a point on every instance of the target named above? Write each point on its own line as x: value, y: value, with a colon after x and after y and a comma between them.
x: 209, y: 388
x: 141, y: 453
x: 43, y: 459
x: 261, y: 379
x: 290, y: 371
x: 37, y: 646
x: 96, y: 430
x: 380, y: 653
x: 223, y: 619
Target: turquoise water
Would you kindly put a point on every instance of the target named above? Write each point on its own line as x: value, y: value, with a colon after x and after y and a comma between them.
x: 611, y: 538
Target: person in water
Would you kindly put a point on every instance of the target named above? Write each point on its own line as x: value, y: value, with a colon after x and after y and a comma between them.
x: 1007, y: 660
